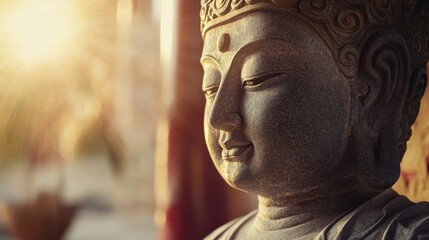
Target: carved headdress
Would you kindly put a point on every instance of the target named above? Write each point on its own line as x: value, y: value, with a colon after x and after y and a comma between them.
x: 345, y: 25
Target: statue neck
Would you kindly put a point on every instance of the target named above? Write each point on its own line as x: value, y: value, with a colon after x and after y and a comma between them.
x: 307, y: 212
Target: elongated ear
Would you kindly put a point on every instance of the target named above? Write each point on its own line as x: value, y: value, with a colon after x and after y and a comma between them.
x: 385, y: 70
x: 384, y: 74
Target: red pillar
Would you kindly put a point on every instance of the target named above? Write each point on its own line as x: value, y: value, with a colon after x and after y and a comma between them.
x: 197, y: 203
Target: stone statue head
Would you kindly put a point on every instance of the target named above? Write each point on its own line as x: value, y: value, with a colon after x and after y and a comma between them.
x: 312, y: 94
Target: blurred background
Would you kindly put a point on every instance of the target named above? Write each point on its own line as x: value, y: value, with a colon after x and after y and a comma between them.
x: 101, y: 124
x: 80, y: 98
x: 96, y: 140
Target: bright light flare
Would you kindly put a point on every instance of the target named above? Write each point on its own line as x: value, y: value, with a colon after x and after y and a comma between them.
x: 48, y: 51
x: 124, y: 14
x: 38, y: 31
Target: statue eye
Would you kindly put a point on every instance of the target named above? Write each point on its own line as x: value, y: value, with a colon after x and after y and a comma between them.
x: 253, y: 82
x: 211, y: 81
x: 211, y: 91
x: 249, y: 82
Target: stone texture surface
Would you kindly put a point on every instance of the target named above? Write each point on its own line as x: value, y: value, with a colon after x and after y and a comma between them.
x: 309, y: 105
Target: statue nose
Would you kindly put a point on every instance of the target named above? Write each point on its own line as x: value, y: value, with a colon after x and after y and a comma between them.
x: 225, y: 109
x: 223, y: 118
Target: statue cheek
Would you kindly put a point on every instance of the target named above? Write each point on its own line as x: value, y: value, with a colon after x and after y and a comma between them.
x: 212, y: 141
x: 212, y: 136
x: 267, y: 110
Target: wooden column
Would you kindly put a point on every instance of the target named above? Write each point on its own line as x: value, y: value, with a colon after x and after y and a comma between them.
x: 196, y: 194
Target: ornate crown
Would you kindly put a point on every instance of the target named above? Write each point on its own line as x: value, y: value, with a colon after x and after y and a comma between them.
x: 347, y: 22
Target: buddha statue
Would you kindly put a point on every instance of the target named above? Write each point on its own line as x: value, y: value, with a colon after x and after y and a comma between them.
x: 309, y: 105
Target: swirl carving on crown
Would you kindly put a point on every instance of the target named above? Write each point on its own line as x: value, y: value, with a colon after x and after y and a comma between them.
x: 343, y: 24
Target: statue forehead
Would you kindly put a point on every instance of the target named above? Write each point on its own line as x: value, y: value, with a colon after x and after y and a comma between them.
x: 225, y: 40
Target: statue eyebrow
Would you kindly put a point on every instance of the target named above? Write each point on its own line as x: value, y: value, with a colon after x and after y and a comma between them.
x: 246, y: 49
x: 208, y: 58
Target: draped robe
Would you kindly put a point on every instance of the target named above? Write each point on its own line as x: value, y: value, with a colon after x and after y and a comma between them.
x: 386, y: 216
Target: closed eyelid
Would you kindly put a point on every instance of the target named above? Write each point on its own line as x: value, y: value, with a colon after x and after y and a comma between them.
x: 264, y: 75
x: 211, y: 87
x: 211, y: 78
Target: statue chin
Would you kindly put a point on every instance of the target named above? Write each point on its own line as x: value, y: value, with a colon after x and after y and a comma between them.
x: 307, y: 111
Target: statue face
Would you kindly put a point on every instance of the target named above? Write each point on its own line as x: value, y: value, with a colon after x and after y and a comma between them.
x: 277, y: 108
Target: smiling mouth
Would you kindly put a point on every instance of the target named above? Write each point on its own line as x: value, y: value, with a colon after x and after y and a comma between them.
x: 234, y: 153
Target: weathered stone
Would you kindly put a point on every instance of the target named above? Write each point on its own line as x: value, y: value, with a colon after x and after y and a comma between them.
x: 309, y: 105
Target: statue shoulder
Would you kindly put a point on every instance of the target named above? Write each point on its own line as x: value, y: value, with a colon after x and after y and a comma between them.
x: 387, y: 216
x: 411, y: 223
x: 227, y: 231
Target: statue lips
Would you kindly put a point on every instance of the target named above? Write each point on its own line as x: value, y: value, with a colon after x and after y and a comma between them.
x: 234, y: 146
x: 235, y: 154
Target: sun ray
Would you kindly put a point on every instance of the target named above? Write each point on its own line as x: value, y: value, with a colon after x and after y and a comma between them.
x: 47, y: 49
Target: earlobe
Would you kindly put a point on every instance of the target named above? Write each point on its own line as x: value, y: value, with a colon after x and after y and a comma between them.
x: 384, y: 75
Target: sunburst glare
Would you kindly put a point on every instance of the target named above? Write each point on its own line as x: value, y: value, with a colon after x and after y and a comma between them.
x: 47, y: 73
x: 41, y: 30
x: 77, y: 80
